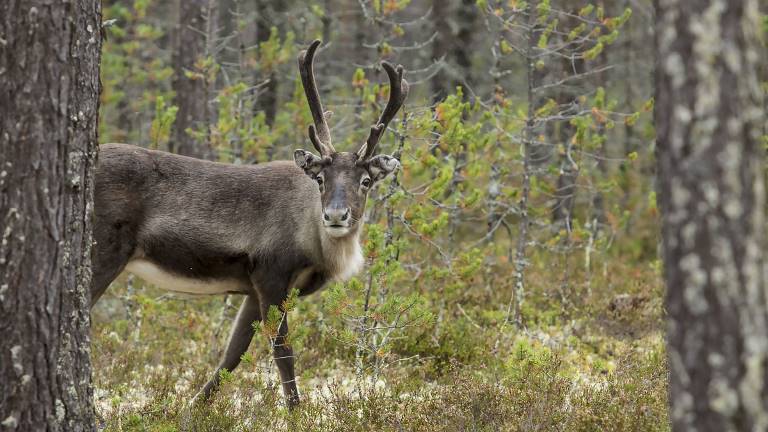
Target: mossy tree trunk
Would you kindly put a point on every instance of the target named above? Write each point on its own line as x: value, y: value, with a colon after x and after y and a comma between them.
x: 711, y: 193
x: 49, y: 85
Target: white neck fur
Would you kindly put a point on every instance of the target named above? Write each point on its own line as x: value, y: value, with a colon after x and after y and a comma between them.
x: 342, y: 256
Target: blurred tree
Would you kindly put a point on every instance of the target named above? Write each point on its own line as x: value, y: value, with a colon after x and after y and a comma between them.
x: 135, y: 68
x: 440, y: 47
x: 454, y: 27
x: 50, y: 88
x: 559, y: 130
x: 191, y: 83
x: 712, y: 198
x: 228, y: 18
x: 267, y: 23
x: 567, y: 67
x: 467, y: 20
x: 360, y: 31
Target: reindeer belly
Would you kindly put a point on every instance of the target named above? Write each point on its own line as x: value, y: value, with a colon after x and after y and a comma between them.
x: 162, y: 278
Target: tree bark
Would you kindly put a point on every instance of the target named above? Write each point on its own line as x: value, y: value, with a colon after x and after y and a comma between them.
x: 466, y: 19
x: 190, y: 83
x: 267, y: 98
x: 561, y: 132
x: 49, y: 84
x: 439, y: 84
x: 712, y: 197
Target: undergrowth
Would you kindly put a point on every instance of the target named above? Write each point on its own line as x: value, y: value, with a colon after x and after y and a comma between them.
x: 591, y: 358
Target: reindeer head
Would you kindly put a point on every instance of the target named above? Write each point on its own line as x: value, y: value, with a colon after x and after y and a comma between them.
x: 344, y: 178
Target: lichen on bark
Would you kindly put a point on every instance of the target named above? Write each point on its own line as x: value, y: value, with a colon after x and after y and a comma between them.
x: 711, y: 194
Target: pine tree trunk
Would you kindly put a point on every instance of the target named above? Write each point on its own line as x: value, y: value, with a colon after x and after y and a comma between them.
x: 712, y: 197
x: 189, y: 82
x: 630, y: 49
x: 467, y: 20
x: 561, y: 132
x: 267, y: 98
x: 49, y: 84
x: 439, y: 84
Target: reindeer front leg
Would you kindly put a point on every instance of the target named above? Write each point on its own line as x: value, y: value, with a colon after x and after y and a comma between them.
x: 315, y: 281
x: 239, y: 339
x: 273, y: 290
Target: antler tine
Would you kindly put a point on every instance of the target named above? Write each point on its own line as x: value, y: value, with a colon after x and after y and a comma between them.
x: 322, y: 134
x: 398, y: 91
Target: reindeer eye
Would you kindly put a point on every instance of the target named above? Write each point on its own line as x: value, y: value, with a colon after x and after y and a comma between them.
x: 319, y: 180
x: 366, y: 182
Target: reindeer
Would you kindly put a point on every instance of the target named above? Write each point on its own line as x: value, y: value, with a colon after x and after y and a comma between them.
x: 199, y: 227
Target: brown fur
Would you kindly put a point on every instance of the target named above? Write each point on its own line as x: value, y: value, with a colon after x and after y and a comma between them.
x: 207, y: 228
x: 210, y: 228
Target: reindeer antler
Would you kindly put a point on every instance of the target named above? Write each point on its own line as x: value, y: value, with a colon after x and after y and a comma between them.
x: 398, y: 91
x: 319, y: 133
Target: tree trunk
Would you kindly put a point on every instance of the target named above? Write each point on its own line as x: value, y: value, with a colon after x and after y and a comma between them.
x: 562, y: 132
x: 190, y: 83
x: 466, y: 19
x: 49, y: 68
x: 362, y: 28
x: 630, y: 48
x: 439, y: 83
x: 712, y: 198
x: 267, y: 98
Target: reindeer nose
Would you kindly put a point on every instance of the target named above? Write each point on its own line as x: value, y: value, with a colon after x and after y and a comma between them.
x: 334, y: 216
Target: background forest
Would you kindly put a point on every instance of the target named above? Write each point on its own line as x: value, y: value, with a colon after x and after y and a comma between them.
x: 512, y: 278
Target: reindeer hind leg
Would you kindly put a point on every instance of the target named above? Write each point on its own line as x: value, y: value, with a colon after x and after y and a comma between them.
x: 113, y: 248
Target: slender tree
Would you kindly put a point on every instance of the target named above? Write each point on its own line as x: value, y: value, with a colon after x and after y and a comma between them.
x: 49, y: 63
x: 712, y: 198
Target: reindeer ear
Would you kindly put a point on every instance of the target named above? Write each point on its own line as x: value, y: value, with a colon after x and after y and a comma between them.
x: 381, y: 166
x: 309, y: 162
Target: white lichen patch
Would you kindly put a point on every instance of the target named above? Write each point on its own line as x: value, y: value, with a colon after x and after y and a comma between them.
x: 675, y: 69
x: 707, y: 47
x: 10, y: 422
x: 715, y: 360
x: 682, y: 114
x: 61, y: 411
x: 732, y: 57
x: 718, y: 275
x: 711, y: 193
x: 688, y: 234
x: 679, y: 196
x: 733, y: 208
x: 751, y: 386
x: 696, y: 279
x: 16, y: 360
x: 682, y: 410
x: 722, y: 397
x: 667, y: 30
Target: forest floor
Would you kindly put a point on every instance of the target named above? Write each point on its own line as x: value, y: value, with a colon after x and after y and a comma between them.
x: 589, y: 356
